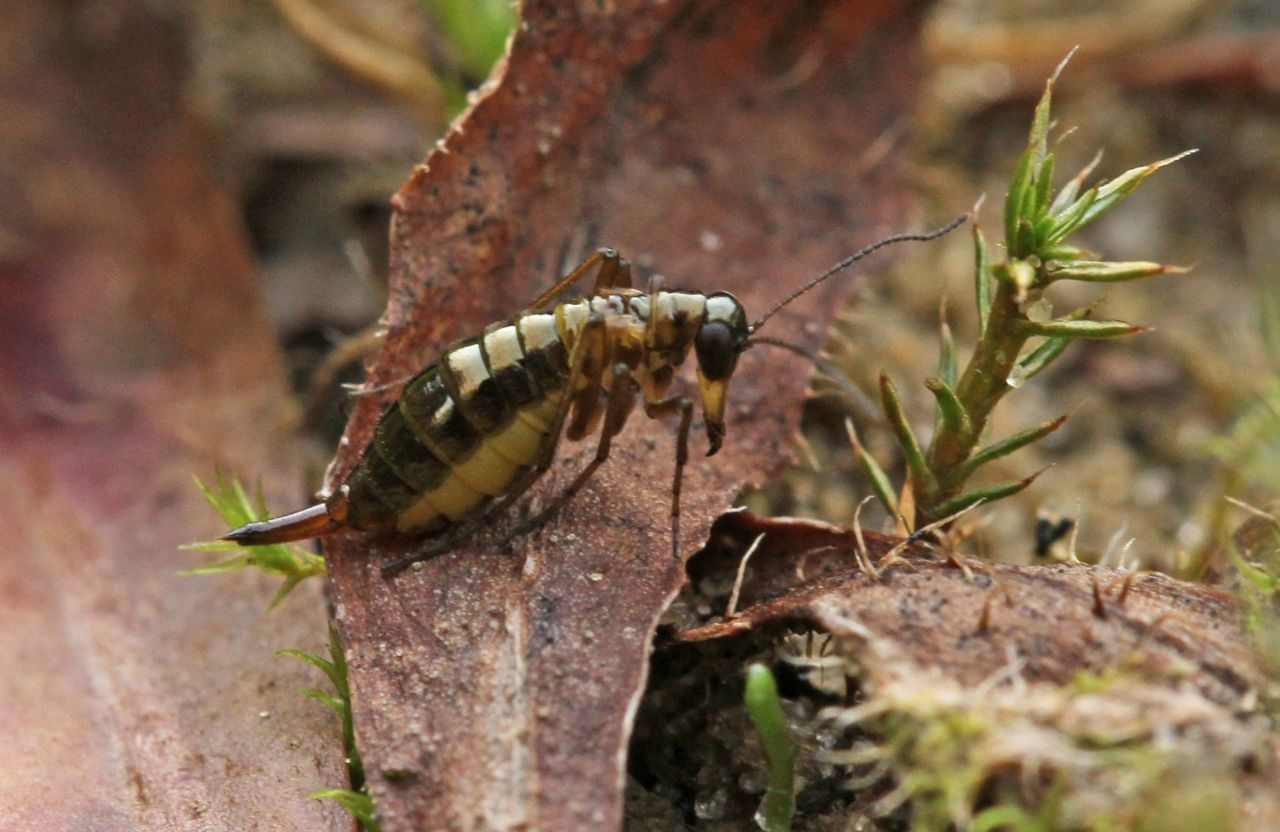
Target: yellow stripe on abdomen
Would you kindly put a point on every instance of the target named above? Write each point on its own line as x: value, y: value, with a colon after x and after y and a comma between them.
x: 486, y: 466
x: 539, y: 416
x: 488, y: 472
x: 518, y: 442
x: 453, y: 499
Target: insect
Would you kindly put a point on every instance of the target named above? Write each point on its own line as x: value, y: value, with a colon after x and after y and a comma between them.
x: 470, y: 434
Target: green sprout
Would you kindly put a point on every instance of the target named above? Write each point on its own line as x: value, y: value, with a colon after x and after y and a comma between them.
x: 765, y: 710
x: 1018, y: 335
x: 229, y: 499
x: 476, y: 30
x: 295, y: 564
x: 474, y: 33
x: 355, y: 799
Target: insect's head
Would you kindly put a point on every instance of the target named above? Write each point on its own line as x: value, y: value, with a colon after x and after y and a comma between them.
x: 721, y: 338
x: 725, y: 333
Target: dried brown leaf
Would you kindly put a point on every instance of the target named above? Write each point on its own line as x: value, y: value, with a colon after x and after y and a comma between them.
x: 729, y: 146
x: 966, y: 619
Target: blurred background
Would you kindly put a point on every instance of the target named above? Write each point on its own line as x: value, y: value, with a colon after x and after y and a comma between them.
x: 1166, y: 423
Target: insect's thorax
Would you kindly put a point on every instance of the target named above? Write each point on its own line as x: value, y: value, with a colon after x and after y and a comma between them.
x: 651, y: 334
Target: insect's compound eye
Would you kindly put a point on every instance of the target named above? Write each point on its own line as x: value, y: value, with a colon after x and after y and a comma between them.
x: 717, y: 350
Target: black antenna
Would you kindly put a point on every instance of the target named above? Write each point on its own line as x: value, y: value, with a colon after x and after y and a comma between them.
x: 853, y: 258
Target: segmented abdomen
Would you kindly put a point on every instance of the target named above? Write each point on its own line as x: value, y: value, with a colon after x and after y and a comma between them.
x: 462, y: 430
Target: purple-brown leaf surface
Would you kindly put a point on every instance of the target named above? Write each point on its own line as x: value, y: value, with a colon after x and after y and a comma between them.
x: 133, y: 353
x: 728, y: 146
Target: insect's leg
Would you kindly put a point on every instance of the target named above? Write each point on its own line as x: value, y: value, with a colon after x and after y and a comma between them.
x: 607, y: 274
x: 615, y: 273
x: 585, y: 384
x: 600, y: 257
x: 655, y: 285
x: 657, y: 410
x: 579, y: 397
x: 622, y: 399
x: 465, y: 530
x: 578, y: 372
x: 568, y: 280
x: 548, y: 453
x: 439, y: 546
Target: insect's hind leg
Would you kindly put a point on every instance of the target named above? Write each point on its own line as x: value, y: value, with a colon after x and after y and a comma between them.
x: 621, y: 401
x: 462, y: 531
x: 615, y: 273
x: 448, y: 541
x: 611, y: 268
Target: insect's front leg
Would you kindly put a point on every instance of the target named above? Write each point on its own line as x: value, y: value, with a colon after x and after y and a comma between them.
x: 657, y: 410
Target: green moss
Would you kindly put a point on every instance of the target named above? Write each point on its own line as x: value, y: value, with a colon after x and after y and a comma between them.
x: 1105, y: 752
x: 229, y: 499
